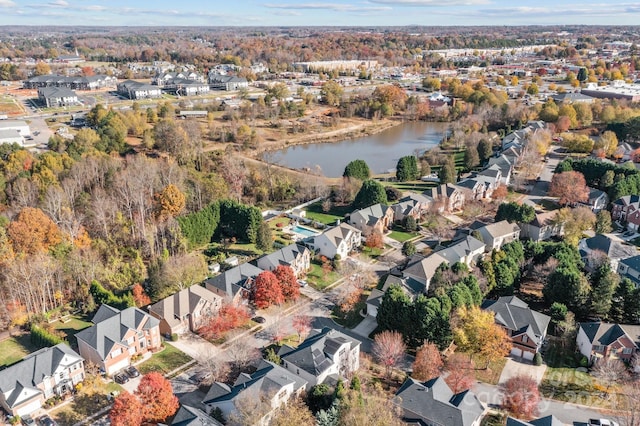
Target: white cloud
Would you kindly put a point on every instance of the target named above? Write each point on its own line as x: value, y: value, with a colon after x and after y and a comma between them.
x: 6, y: 3
x: 58, y: 3
x: 336, y: 7
x: 432, y: 3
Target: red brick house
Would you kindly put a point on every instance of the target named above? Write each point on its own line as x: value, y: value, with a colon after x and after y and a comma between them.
x: 605, y: 340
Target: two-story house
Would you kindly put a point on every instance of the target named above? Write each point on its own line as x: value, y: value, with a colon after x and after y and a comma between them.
x: 623, y: 206
x: 267, y: 389
x: 630, y: 268
x: 414, y: 205
x: 542, y: 227
x: 607, y: 247
x: 117, y: 336
x: 597, y: 340
x: 188, y: 309
x: 296, y: 256
x: 54, y: 97
x: 495, y: 235
x: 339, y: 240
x: 375, y: 218
x: 434, y: 403
x: 597, y: 200
x: 235, y: 284
x: 420, y: 270
x: 137, y: 90
x: 447, y: 197
x: 325, y: 354
x: 49, y: 372
x: 526, y: 328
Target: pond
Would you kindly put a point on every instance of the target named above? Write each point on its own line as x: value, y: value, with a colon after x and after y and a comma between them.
x: 381, y: 151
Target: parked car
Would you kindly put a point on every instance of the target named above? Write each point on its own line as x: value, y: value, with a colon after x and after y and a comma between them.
x: 259, y: 320
x: 28, y: 420
x: 132, y: 371
x: 46, y: 421
x: 302, y: 283
x: 602, y: 422
x: 121, y: 378
x: 201, y: 377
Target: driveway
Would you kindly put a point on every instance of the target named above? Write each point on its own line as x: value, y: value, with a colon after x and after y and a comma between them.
x: 366, y: 326
x: 195, y: 346
x: 522, y: 368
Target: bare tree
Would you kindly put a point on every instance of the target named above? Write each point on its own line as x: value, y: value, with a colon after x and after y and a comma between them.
x: 251, y: 406
x: 242, y: 353
x: 609, y: 371
x: 628, y: 406
x: 215, y: 366
x: 388, y: 349
x: 302, y: 325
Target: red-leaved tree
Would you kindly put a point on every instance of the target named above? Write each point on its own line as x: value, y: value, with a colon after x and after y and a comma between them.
x: 157, y: 398
x: 302, y: 325
x: 230, y: 316
x: 288, y: 282
x: 140, y: 296
x: 521, y: 396
x: 459, y: 370
x: 570, y: 187
x: 388, y: 349
x: 428, y: 364
x: 126, y: 410
x: 266, y: 290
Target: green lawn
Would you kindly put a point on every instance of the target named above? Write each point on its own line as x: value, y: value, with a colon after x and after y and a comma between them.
x: 165, y: 361
x: 371, y: 253
x: 14, y: 349
x: 316, y: 278
x: 492, y: 373
x: 402, y: 236
x: 74, y: 324
x: 314, y: 212
x: 415, y: 186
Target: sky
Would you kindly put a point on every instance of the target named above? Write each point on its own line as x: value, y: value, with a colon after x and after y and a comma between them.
x: 316, y: 12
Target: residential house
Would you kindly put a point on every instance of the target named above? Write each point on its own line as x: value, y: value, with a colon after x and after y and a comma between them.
x: 597, y: 340
x: 414, y: 205
x: 192, y: 416
x: 92, y: 82
x: 53, y: 97
x: 270, y: 383
x: 626, y: 210
x: 526, y: 328
x: 434, y: 403
x: 542, y: 227
x: 420, y: 270
x: 188, y: 309
x: 477, y: 188
x: 630, y: 268
x: 339, y: 240
x: 234, y: 284
x: 326, y: 354
x: 505, y: 165
x: 185, y: 87
x: 296, y: 256
x: 137, y: 90
x: 378, y: 217
x: 447, y: 197
x: 495, y: 235
x: 604, y: 245
x: 597, y: 200
x: 117, y: 336
x: 227, y: 82
x: 467, y: 250
x: 373, y: 301
x: 543, y: 421
x: 49, y: 372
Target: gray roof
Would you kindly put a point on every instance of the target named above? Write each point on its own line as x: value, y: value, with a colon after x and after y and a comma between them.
x: 235, y: 279
x: 111, y: 325
x: 571, y: 97
x: 56, y: 92
x: 285, y: 256
x: 411, y: 286
x: 219, y: 78
x: 632, y: 262
x: 339, y: 233
x: 177, y: 306
x: 602, y: 333
x: 441, y: 191
x: 10, y: 134
x: 30, y: 372
x: 613, y: 249
x: 268, y: 380
x: 627, y: 200
x: 61, y: 79
x: 136, y: 85
x: 515, y: 315
x: 460, y: 249
x: 423, y: 268
x: 375, y: 298
x: 313, y: 355
x: 369, y: 215
x: 498, y: 229
x: 191, y: 416
x: 433, y: 402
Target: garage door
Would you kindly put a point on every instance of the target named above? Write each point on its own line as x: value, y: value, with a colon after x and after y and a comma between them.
x: 29, y: 408
x: 528, y: 356
x: 118, y: 366
x: 516, y: 352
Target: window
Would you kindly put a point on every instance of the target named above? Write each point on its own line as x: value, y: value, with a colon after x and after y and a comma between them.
x: 116, y: 353
x: 598, y: 348
x: 627, y: 351
x: 525, y: 339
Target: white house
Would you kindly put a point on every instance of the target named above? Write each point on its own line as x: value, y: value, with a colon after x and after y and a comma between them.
x: 495, y: 235
x: 339, y: 240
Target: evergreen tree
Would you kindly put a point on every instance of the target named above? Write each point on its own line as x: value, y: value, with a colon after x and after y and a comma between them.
x: 603, y: 286
x: 357, y: 169
x: 407, y: 169
x: 372, y: 192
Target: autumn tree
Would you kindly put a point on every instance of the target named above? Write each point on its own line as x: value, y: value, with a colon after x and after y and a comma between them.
x: 140, y: 296
x: 288, y: 282
x: 369, y: 406
x: 42, y: 68
x: 127, y: 410
x: 266, y: 290
x: 302, y: 325
x: 520, y: 396
x: 476, y: 332
x: 33, y: 232
x: 459, y: 370
x: 388, y: 349
x: 294, y: 413
x: 610, y: 371
x: 331, y: 93
x: 171, y: 201
x: 570, y: 187
x: 157, y: 398
x: 375, y: 240
x: 428, y: 363
x: 229, y: 316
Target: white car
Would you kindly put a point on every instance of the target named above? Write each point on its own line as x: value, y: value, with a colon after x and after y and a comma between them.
x: 602, y: 422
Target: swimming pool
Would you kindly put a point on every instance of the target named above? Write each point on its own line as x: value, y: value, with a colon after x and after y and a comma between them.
x: 304, y: 231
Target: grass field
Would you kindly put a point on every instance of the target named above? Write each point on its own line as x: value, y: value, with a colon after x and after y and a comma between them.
x: 14, y: 349
x: 402, y: 236
x: 74, y: 324
x: 492, y: 373
x: 314, y: 212
x: 165, y: 361
x: 316, y: 278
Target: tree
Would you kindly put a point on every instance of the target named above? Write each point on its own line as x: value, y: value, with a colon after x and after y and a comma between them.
x: 471, y: 158
x: 410, y: 224
x: 375, y: 240
x: 533, y: 89
x: 157, y: 398
x: 521, y: 396
x: 288, y: 282
x: 331, y: 93
x: 371, y: 407
x: 33, y: 232
x: 176, y: 273
x: 357, y: 169
x: 140, y: 296
x: 500, y: 193
x: 264, y: 239
x: 408, y: 248
x: 603, y: 286
x: 42, y: 68
x: 372, y: 192
x: 428, y: 363
x: 603, y: 222
x: 476, y: 332
x: 388, y: 349
x: 171, y: 201
x: 229, y: 316
x: 576, y: 221
x: 485, y: 150
x: 568, y: 286
x: 610, y: 371
x: 459, y: 370
x: 514, y: 212
x: 294, y: 413
x: 570, y: 187
x: 407, y: 168
x: 266, y: 290
x: 302, y: 325
x: 127, y: 410
x: 582, y: 75
x: 447, y: 173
